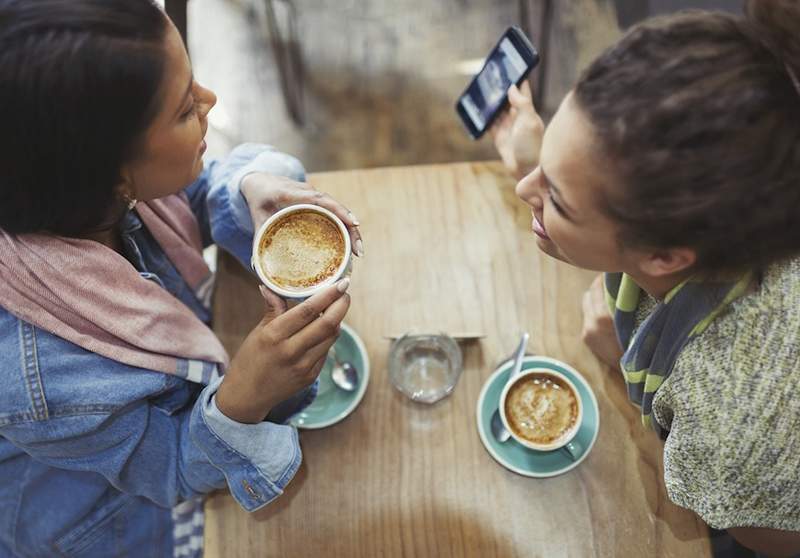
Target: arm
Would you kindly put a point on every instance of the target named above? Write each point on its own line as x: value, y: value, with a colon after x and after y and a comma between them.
x: 149, y: 434
x: 233, y: 197
x: 157, y: 448
x: 731, y: 454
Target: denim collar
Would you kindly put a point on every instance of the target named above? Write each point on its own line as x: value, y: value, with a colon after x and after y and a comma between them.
x: 130, y: 223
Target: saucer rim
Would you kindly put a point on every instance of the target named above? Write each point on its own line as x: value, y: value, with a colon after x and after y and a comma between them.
x: 362, y: 389
x: 504, y: 462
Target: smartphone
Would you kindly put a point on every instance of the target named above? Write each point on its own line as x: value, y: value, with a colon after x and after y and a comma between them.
x: 510, y: 61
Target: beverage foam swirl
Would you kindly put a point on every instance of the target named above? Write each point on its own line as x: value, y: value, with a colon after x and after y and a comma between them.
x: 301, y: 249
x: 541, y: 408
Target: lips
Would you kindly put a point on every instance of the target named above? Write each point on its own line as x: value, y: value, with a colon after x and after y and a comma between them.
x: 538, y: 228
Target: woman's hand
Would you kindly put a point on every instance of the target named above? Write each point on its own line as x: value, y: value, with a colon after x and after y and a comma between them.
x: 518, y: 132
x: 598, y: 325
x: 266, y: 194
x: 283, y: 354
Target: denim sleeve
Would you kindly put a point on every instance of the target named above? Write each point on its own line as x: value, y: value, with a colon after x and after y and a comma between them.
x: 258, y: 460
x: 219, y: 205
x: 165, y: 455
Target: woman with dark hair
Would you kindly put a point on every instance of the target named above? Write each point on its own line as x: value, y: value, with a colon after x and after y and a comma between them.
x: 674, y: 167
x: 116, y: 417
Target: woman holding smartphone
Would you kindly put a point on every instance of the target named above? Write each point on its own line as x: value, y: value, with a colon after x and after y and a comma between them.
x: 673, y: 166
x: 116, y: 417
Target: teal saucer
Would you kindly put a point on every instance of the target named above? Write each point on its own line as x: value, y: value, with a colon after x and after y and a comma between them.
x: 332, y: 403
x: 518, y: 458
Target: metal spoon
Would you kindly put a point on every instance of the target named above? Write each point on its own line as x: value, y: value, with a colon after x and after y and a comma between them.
x: 498, y: 429
x: 344, y: 374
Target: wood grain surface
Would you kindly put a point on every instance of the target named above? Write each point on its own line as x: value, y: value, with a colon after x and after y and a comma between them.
x: 449, y: 248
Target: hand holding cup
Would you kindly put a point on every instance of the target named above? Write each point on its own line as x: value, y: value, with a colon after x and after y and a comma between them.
x: 283, y: 354
x: 267, y: 194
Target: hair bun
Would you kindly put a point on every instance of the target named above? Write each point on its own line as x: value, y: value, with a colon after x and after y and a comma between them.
x: 777, y: 23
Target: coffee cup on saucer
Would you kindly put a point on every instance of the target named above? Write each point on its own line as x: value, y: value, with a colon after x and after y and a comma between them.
x: 542, y: 410
x: 300, y: 250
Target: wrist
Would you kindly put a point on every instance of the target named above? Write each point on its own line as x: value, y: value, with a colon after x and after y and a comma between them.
x: 239, y: 404
x: 247, y: 184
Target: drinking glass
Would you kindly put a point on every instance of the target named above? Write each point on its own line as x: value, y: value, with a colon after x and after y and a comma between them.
x: 426, y: 368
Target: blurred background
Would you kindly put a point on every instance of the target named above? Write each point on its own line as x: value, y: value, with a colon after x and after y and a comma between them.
x: 365, y: 83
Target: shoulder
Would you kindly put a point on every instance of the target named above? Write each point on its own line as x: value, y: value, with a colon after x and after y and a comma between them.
x: 45, y: 376
x: 731, y: 405
x: 757, y: 338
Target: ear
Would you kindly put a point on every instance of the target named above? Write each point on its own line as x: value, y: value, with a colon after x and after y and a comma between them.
x: 667, y: 262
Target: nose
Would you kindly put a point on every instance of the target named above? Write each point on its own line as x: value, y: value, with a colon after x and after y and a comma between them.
x: 207, y: 99
x: 528, y: 189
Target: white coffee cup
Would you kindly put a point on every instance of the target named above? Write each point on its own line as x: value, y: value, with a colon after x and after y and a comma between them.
x: 567, y: 440
x: 301, y: 294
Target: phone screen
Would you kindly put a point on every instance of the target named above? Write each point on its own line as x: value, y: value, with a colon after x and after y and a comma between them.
x: 486, y: 94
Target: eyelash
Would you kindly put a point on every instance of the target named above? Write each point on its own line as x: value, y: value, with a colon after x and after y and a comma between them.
x: 558, y: 208
x: 186, y: 115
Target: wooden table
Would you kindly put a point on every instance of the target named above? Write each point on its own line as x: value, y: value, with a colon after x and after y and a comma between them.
x: 449, y: 247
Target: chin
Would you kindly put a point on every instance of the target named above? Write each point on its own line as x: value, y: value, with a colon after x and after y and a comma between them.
x: 198, y: 168
x: 549, y: 248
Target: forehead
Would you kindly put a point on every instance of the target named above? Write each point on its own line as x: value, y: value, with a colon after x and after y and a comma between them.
x: 570, y: 153
x: 177, y: 70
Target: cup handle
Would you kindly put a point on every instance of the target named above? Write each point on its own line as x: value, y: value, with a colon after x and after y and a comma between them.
x: 574, y: 449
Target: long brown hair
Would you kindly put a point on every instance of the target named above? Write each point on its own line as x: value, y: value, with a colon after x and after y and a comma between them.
x: 79, y: 85
x: 699, y: 119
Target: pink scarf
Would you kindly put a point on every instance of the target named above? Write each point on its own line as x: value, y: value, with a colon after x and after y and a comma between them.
x: 88, y: 294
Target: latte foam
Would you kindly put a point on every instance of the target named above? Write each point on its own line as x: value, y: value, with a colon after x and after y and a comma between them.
x: 301, y: 250
x: 541, y: 408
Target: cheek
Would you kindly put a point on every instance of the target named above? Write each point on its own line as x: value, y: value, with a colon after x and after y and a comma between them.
x: 172, y: 163
x: 558, y: 229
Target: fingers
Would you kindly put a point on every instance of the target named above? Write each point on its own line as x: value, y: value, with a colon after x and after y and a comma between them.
x: 526, y: 91
x: 501, y: 123
x: 320, y: 363
x: 522, y: 99
x: 274, y: 305
x: 518, y: 99
x: 316, y: 355
x: 598, y: 294
x: 356, y: 241
x: 324, y: 200
x: 292, y: 321
x: 325, y: 326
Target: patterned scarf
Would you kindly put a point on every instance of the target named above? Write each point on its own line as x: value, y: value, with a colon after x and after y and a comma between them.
x: 650, y: 354
x: 88, y: 294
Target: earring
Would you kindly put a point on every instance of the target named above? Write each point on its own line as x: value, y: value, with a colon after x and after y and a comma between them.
x: 130, y: 201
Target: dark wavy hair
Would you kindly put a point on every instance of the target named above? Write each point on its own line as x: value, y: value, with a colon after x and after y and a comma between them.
x: 79, y: 82
x: 698, y: 117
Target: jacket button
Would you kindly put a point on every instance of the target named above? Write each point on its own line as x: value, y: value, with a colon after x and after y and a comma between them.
x: 250, y: 490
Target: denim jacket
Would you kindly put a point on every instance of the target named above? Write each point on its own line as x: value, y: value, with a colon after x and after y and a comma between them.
x: 94, y: 453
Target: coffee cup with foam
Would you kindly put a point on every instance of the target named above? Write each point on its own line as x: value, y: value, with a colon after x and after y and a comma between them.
x: 542, y: 410
x: 301, y: 249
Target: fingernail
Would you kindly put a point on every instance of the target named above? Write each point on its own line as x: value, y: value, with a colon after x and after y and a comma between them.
x: 263, y: 290
x: 342, y: 285
x: 354, y: 219
x: 359, y: 248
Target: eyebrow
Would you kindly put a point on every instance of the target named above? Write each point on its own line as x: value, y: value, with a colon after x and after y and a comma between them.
x: 185, y: 95
x: 555, y: 189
